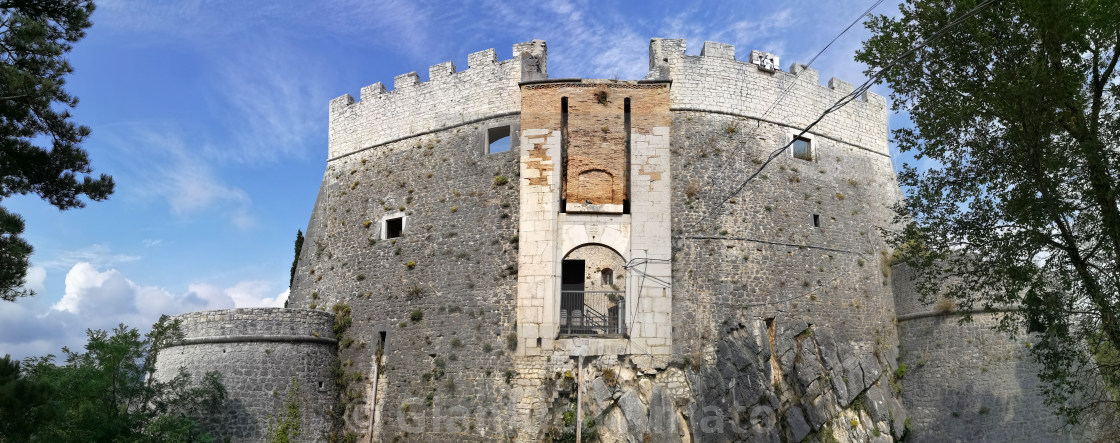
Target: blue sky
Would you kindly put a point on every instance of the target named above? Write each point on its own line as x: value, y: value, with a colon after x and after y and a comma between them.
x: 212, y: 118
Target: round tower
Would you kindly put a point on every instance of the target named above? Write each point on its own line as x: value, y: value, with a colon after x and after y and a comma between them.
x: 967, y: 381
x: 260, y: 353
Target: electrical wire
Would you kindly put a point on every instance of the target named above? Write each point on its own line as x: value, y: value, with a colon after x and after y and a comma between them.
x: 848, y: 98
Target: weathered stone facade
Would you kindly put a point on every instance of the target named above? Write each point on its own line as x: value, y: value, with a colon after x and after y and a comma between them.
x: 735, y: 310
x: 260, y: 352
x: 965, y: 380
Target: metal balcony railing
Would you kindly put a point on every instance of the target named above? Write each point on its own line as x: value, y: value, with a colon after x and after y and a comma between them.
x: 592, y: 312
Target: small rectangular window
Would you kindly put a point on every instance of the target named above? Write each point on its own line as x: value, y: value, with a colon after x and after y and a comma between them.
x: 498, y: 139
x: 607, y: 277
x: 816, y: 220
x: 802, y: 149
x: 393, y: 227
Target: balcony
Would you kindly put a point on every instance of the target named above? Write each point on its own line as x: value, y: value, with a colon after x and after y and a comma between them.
x: 593, y: 313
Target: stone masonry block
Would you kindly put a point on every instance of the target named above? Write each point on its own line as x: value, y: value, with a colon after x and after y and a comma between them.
x: 445, y: 69
x: 372, y: 91
x: 405, y: 81
x: 718, y: 50
x: 482, y: 58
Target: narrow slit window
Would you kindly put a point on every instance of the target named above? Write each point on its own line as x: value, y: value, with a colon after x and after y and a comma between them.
x: 606, y: 277
x: 816, y: 220
x: 802, y: 148
x: 497, y: 139
x: 626, y: 126
x: 563, y: 154
x: 394, y: 227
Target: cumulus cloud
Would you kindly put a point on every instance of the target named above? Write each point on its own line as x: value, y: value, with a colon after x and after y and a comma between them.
x: 36, y: 276
x: 102, y: 299
x: 246, y: 294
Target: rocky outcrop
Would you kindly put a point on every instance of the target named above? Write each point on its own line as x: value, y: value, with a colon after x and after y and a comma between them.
x: 766, y: 381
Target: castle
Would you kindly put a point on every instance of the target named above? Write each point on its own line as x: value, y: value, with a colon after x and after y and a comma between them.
x: 498, y: 255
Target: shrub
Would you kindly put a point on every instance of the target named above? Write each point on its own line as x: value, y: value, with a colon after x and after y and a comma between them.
x: 416, y: 316
x: 500, y: 180
x: 900, y: 371
x: 411, y: 265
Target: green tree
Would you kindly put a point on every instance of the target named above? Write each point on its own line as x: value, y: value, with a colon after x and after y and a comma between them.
x: 110, y: 393
x: 295, y: 260
x: 34, y: 36
x: 23, y: 402
x: 1015, y: 106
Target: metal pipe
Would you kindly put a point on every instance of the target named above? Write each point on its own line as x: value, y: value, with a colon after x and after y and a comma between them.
x: 579, y: 399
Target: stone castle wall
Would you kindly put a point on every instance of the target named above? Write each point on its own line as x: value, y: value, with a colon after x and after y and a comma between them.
x: 964, y: 381
x: 487, y: 89
x: 259, y: 352
x: 775, y: 319
x: 441, y: 294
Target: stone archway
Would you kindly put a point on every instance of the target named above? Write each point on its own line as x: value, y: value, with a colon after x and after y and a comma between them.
x: 593, y: 292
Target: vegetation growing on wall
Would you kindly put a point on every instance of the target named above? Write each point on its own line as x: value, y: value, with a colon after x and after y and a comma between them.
x: 284, y: 427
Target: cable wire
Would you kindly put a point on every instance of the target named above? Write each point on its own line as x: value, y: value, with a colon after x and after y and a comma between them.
x: 848, y: 98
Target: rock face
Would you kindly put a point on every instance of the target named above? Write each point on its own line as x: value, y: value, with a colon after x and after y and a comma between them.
x: 766, y: 384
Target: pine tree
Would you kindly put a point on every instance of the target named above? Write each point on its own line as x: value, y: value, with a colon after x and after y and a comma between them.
x: 34, y: 37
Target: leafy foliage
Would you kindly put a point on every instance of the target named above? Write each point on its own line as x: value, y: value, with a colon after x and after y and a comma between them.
x: 110, y: 393
x: 34, y: 35
x: 1015, y: 118
x: 23, y: 402
x: 285, y: 426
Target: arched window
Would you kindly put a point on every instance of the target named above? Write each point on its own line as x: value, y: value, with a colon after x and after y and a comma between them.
x: 607, y: 277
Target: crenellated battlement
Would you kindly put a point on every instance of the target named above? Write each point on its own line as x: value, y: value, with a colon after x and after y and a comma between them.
x: 715, y: 81
x: 487, y: 88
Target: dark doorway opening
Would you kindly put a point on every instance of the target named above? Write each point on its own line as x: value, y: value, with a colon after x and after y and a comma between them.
x: 572, y: 296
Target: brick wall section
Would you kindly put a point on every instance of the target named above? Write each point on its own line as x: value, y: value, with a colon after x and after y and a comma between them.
x: 259, y: 352
x: 461, y: 239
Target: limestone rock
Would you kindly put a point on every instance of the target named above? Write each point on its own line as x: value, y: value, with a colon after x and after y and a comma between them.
x: 795, y: 419
x: 635, y: 413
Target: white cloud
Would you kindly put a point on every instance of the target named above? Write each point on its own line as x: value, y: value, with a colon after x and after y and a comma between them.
x: 273, y: 102
x: 36, y: 276
x: 172, y: 171
x: 96, y: 254
x: 97, y: 299
x: 246, y: 294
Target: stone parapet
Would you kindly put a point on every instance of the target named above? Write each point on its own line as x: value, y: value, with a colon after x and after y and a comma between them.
x: 715, y: 81
x: 487, y: 88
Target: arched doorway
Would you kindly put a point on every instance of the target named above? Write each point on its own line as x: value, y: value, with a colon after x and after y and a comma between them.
x: 593, y: 292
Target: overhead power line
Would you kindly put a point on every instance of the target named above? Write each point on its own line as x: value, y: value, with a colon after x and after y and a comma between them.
x: 847, y: 98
